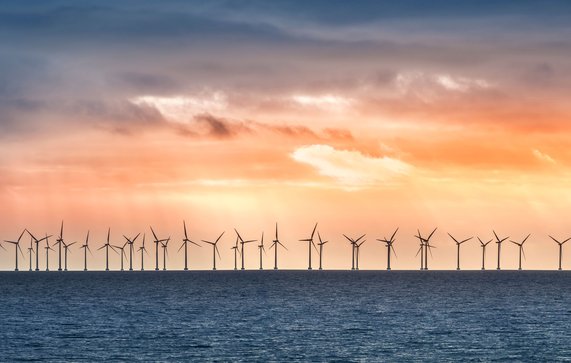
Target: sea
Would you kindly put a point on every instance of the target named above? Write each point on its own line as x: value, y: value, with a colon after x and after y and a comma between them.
x: 286, y: 316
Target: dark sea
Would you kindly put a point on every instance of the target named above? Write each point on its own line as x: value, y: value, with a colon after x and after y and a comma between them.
x: 281, y: 316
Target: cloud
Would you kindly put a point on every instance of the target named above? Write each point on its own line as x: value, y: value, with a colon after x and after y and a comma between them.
x: 543, y: 157
x: 351, y: 169
x: 182, y: 108
x: 326, y: 102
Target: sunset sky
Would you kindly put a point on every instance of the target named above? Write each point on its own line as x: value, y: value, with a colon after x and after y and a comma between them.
x: 363, y: 116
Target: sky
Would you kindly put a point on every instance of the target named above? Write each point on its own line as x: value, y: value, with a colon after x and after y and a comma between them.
x: 363, y: 116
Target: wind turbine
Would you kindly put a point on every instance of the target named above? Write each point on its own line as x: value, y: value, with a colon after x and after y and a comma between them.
x: 131, y: 243
x: 214, y: 250
x: 17, y: 247
x: 425, y: 242
x: 37, y: 242
x: 560, y: 243
x: 261, y: 248
x: 484, y: 244
x: 499, y: 242
x: 353, y: 243
x: 48, y: 248
x: 357, y: 249
x: 143, y: 249
x: 309, y: 244
x: 274, y: 245
x: 389, y: 244
x: 122, y: 253
x: 242, y: 243
x: 236, y: 252
x: 85, y: 249
x: 420, y: 250
x: 157, y: 241
x: 164, y: 245
x: 106, y: 246
x: 458, y: 244
x: 65, y: 248
x: 31, y: 251
x: 521, y: 251
x: 185, y: 243
x: 59, y: 242
x: 320, y: 244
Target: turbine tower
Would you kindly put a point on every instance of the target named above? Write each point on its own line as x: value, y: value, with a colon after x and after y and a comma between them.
x: 353, y: 243
x: 425, y: 244
x: 17, y: 247
x: 499, y: 241
x: 59, y: 242
x: 309, y: 244
x: 157, y: 241
x: 37, y: 242
x: 458, y: 244
x: 131, y: 243
x: 143, y: 249
x: 320, y: 244
x: 214, y: 250
x: 275, y: 243
x: 357, y: 249
x: 106, y: 246
x: 242, y: 243
x: 483, y: 245
x: 65, y: 249
x: 48, y: 248
x: 85, y: 249
x: 236, y: 252
x: 122, y: 253
x: 521, y: 251
x: 31, y: 251
x: 389, y: 244
x: 261, y: 248
x: 165, y: 245
x: 185, y: 243
x: 560, y: 243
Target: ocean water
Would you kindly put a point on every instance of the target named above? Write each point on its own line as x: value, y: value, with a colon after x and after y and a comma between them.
x: 261, y: 316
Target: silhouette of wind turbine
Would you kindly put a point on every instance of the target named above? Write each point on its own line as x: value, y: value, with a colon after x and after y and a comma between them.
x: 357, y: 249
x: 320, y: 244
x: 521, y: 251
x: 157, y: 241
x: 85, y: 249
x: 48, y: 248
x: 262, y: 248
x: 309, y: 244
x: 236, y: 252
x: 499, y: 241
x: 106, y: 246
x: 389, y: 244
x: 31, y: 251
x: 59, y: 242
x: 353, y: 243
x: 275, y: 243
x: 17, y: 247
x: 65, y: 249
x: 185, y: 243
x: 122, y: 253
x: 425, y: 243
x: 560, y: 243
x: 214, y: 250
x: 37, y: 242
x: 131, y: 243
x: 458, y: 244
x: 483, y: 245
x: 165, y: 245
x: 143, y: 249
x: 242, y: 243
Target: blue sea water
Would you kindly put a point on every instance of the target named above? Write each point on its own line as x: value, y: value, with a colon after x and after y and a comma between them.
x: 310, y: 316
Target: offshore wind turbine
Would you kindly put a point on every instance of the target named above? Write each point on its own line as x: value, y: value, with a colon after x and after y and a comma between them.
x: 499, y: 241
x: 65, y: 248
x: 242, y: 243
x: 17, y: 247
x: 122, y: 253
x: 106, y: 246
x: 357, y: 249
x: 261, y: 248
x: 236, y: 252
x: 59, y: 242
x: 85, y: 249
x: 131, y: 243
x: 560, y: 243
x: 37, y: 242
x: 143, y: 249
x: 309, y: 244
x: 156, y: 241
x: 320, y: 244
x: 275, y: 243
x: 521, y: 251
x: 426, y: 246
x: 48, y: 248
x: 31, y: 251
x: 353, y: 243
x: 458, y: 244
x: 164, y: 245
x: 214, y: 250
x: 185, y: 242
x: 483, y: 245
x: 389, y: 244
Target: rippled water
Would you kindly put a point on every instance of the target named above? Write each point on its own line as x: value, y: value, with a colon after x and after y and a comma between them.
x: 286, y: 315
